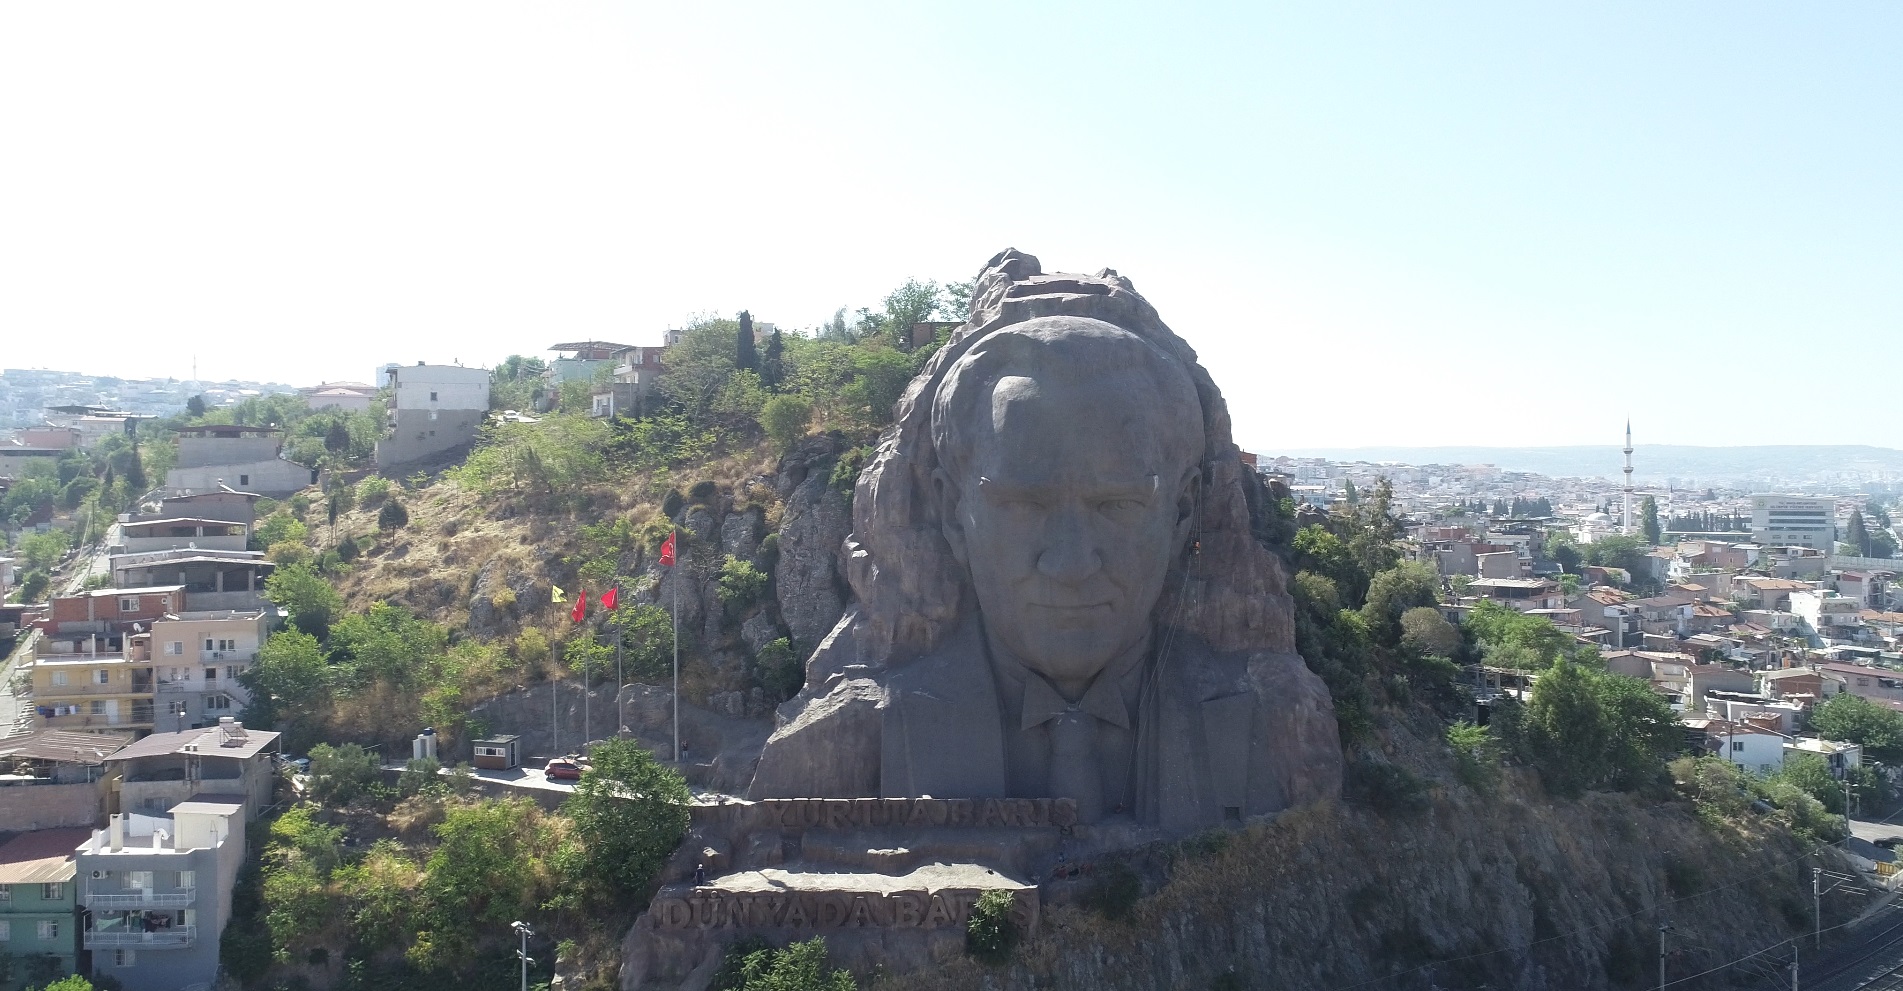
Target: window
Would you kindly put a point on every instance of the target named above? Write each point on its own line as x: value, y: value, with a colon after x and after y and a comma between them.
x: 176, y: 648
x: 53, y: 892
x: 98, y: 708
x: 227, y: 645
x: 128, y: 603
x: 6, y: 893
x: 139, y: 880
x: 214, y: 703
x: 1737, y: 745
x: 208, y: 642
x: 102, y: 676
x: 432, y: 397
x: 232, y: 670
x: 211, y: 675
x: 124, y: 958
x: 59, y: 678
x: 49, y: 929
x: 187, y: 879
x: 244, y: 479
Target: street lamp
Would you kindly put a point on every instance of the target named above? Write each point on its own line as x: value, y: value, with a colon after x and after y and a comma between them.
x: 522, y: 929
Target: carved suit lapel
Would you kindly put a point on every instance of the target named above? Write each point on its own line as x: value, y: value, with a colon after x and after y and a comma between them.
x: 944, y: 735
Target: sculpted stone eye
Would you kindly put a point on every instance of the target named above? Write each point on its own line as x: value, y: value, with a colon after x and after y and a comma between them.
x: 1121, y: 505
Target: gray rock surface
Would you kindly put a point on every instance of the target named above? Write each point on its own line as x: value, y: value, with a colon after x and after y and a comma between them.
x: 808, y: 582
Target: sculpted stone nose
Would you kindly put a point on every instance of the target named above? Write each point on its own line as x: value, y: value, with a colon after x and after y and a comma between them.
x: 1069, y: 555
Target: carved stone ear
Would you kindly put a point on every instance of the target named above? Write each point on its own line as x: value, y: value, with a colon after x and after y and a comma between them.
x: 946, y: 496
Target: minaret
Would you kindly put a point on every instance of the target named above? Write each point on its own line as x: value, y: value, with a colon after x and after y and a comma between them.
x: 1626, y: 520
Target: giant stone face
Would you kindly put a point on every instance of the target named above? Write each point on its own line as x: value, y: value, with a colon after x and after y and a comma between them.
x: 1071, y: 494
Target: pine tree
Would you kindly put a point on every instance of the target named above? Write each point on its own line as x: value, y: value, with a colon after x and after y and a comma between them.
x: 1857, y: 533
x: 744, y: 356
x: 1649, y: 520
x: 773, y: 364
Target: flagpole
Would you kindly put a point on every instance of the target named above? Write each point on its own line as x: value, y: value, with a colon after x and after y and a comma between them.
x: 677, y: 646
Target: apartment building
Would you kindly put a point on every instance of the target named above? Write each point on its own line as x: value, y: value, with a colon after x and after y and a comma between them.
x: 434, y: 409
x: 197, y: 660
x: 96, y: 682
x: 226, y: 761
x: 156, y: 893
x: 39, y: 922
x: 215, y: 455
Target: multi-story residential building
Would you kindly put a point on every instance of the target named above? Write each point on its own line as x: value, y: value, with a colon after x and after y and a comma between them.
x: 1794, y: 521
x: 93, y: 682
x: 198, y: 657
x: 156, y: 893
x: 110, y: 610
x: 183, y: 533
x: 225, y: 762
x: 215, y: 455
x: 1828, y: 614
x: 434, y: 409
x: 212, y: 579
x: 350, y: 397
x: 636, y: 371
x: 39, y: 926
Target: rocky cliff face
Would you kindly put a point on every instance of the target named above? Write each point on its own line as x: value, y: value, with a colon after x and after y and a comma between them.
x: 1462, y: 890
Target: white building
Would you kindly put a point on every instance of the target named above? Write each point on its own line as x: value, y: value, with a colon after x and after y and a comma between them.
x: 214, y: 456
x: 197, y: 658
x: 1828, y: 614
x: 435, y: 409
x: 1794, y: 521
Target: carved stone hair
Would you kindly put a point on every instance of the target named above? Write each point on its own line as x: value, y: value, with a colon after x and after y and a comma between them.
x: 911, y: 593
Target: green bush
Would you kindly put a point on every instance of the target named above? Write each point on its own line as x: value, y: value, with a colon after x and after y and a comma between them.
x: 421, y: 774
x: 784, y: 418
x: 845, y: 473
x: 1114, y: 892
x: 778, y: 670
x: 392, y: 516
x: 672, y: 503
x: 372, y: 490
x: 800, y: 967
x: 630, y: 811
x: 741, y: 584
x: 340, y: 774
x: 703, y: 491
x: 1388, y: 789
x: 991, y: 931
x: 1476, y: 755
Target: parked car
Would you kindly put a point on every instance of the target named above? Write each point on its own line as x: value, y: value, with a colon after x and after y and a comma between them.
x: 565, y: 768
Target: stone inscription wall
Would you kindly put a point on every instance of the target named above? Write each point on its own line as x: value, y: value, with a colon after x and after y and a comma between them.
x: 863, y: 813
x: 715, y: 909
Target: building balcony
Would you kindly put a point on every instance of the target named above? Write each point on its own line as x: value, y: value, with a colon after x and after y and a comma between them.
x: 174, y: 938
x: 228, y: 656
x: 52, y: 694
x: 181, y: 898
x: 96, y: 723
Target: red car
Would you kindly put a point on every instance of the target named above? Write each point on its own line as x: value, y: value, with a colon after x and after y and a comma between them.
x: 565, y: 769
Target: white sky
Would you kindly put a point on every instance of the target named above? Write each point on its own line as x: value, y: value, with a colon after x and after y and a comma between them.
x: 1481, y: 224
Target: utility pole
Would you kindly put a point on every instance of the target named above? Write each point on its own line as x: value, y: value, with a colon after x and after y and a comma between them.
x: 522, y: 929
x: 1664, y: 927
x: 1817, y: 905
x: 1794, y: 966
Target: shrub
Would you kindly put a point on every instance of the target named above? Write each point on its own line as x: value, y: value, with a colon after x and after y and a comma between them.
x: 372, y: 491
x: 784, y: 418
x: 1115, y: 891
x: 392, y: 516
x: 799, y: 967
x: 741, y: 584
x: 1476, y: 755
x: 991, y: 931
x: 779, y: 671
x: 286, y: 553
x: 846, y: 470
x: 419, y: 775
x: 531, y: 647
x: 340, y: 774
x: 703, y: 491
x: 672, y: 503
x: 347, y: 550
x: 1386, y: 788
x: 629, y: 811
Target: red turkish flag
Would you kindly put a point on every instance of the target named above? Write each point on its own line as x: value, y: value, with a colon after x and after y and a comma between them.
x: 609, y: 598
x: 667, y: 550
x: 580, y: 612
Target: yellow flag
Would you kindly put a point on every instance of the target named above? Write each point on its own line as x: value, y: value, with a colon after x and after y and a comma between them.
x: 559, y: 595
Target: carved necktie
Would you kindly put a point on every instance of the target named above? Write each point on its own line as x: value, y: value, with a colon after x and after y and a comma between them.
x: 1074, y: 772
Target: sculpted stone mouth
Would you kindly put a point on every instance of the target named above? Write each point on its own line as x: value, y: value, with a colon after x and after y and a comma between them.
x: 1067, y: 607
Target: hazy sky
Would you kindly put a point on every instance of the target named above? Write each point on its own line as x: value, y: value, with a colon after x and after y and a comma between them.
x: 1379, y: 224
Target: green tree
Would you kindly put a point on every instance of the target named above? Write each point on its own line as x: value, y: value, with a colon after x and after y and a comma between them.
x: 1424, y: 629
x: 784, y: 417
x: 773, y: 363
x: 72, y: 982
x: 340, y: 774
x: 1393, y: 592
x: 799, y: 967
x: 912, y: 303
x: 278, y: 528
x: 744, y: 356
x: 629, y: 811
x: 195, y: 407
x: 1348, y: 492
x: 1855, y: 719
x: 392, y: 517
x: 289, y: 684
x: 1649, y: 520
x: 310, y: 600
x: 482, y: 868
x: 42, y: 551
x: 1583, y: 729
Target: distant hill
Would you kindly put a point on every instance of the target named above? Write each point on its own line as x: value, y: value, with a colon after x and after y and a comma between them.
x: 1652, y: 463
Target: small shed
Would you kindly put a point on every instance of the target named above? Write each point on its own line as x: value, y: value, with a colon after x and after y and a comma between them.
x: 499, y: 753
